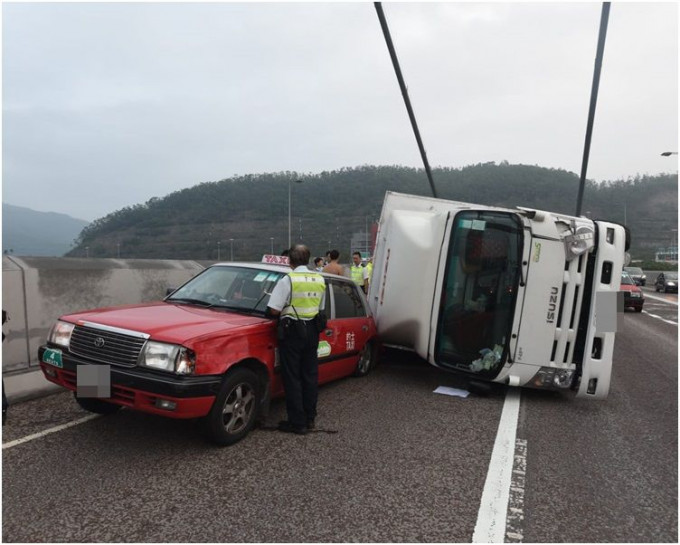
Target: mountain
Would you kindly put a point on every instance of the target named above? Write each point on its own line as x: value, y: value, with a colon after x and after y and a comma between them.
x: 247, y: 216
x: 29, y: 232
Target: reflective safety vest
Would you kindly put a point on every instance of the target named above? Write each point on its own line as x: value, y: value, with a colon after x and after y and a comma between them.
x: 369, y: 268
x: 307, y: 292
x: 357, y: 274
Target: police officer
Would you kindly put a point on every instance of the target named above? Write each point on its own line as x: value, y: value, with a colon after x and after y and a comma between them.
x: 297, y: 299
x: 358, y: 273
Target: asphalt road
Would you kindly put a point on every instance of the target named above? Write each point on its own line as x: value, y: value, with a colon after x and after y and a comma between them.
x: 406, y: 465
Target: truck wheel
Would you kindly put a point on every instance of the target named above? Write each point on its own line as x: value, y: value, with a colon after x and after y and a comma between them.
x: 638, y: 309
x: 235, y: 409
x: 366, y: 360
x: 95, y: 405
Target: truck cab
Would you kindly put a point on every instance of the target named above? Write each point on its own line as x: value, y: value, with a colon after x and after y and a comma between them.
x: 517, y: 296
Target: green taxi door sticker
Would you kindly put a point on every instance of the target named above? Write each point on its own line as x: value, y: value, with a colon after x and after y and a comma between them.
x: 324, y: 349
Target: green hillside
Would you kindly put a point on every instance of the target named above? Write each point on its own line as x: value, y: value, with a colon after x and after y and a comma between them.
x: 328, y: 207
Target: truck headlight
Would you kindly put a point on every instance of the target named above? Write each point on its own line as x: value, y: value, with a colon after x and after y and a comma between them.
x: 549, y: 377
x: 579, y: 242
x: 61, y: 333
x: 167, y: 357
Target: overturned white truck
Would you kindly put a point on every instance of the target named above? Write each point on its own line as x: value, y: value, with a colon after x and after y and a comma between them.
x: 522, y: 297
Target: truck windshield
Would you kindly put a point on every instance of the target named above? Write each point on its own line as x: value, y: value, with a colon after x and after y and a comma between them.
x: 480, y: 286
x: 232, y: 288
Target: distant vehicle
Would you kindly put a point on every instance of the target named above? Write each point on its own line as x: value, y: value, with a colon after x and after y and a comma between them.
x: 637, y: 274
x: 499, y: 295
x: 632, y: 294
x: 667, y: 281
x: 206, y: 351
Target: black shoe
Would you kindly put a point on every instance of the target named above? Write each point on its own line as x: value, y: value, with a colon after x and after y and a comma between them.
x: 310, y: 424
x: 286, y: 427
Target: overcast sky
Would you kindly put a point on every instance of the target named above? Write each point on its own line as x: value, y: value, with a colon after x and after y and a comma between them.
x: 108, y: 105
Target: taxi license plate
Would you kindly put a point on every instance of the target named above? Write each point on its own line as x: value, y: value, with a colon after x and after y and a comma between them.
x: 53, y: 357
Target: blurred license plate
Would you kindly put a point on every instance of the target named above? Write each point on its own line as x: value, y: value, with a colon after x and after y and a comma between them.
x: 53, y: 357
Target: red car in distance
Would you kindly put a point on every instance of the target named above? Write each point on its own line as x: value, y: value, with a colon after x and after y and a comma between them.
x: 632, y: 294
x: 206, y: 351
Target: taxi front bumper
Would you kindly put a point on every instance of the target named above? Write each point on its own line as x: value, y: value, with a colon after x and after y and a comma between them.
x: 142, y: 389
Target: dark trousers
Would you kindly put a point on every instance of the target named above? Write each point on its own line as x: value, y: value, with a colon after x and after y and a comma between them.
x: 300, y: 371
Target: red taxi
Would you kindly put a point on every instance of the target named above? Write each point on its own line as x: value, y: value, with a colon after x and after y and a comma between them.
x: 206, y: 351
x: 632, y: 294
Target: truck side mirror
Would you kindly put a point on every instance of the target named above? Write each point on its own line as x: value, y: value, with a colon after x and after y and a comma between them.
x: 169, y: 291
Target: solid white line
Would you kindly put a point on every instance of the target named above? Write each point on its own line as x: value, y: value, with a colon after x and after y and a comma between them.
x: 659, y: 318
x: 493, y: 508
x: 40, y: 434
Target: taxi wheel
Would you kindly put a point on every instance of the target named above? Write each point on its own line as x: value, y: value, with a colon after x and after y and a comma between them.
x: 366, y: 361
x: 94, y: 405
x: 234, y: 412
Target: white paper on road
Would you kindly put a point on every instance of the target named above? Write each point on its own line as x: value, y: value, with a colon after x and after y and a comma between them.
x: 451, y: 391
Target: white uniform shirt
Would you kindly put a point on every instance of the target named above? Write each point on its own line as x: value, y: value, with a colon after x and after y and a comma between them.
x: 280, y: 296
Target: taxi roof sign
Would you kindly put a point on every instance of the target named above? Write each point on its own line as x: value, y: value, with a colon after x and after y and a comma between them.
x: 275, y: 259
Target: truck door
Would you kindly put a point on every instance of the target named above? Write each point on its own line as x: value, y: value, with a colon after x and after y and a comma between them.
x: 479, y: 292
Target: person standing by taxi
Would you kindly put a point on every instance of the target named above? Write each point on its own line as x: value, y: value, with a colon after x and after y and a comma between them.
x: 333, y: 267
x: 358, y: 273
x: 297, y: 299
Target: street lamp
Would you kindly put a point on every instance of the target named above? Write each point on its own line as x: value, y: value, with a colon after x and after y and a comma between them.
x: 271, y: 239
x: 290, y: 183
x: 218, y: 250
x: 231, y: 243
x: 669, y: 153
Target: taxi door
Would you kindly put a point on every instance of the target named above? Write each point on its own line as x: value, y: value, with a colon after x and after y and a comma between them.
x: 348, y: 329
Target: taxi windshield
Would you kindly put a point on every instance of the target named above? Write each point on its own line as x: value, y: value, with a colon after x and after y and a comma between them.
x: 479, y: 292
x: 228, y: 287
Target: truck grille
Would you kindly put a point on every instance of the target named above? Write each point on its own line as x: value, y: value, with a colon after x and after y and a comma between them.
x: 104, y: 346
x: 569, y: 314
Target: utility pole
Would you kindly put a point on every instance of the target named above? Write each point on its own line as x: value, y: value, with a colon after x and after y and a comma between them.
x: 604, y: 18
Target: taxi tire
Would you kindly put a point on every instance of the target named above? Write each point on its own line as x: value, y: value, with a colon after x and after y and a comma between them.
x: 238, y: 384
x: 95, y: 405
x: 364, y: 367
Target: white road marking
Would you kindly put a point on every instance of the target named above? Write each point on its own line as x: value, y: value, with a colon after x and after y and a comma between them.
x: 493, y: 508
x: 659, y: 318
x: 40, y: 434
x: 514, y: 526
x: 657, y: 298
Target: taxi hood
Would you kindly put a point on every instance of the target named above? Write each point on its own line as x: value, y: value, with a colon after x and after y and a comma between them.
x: 168, y: 322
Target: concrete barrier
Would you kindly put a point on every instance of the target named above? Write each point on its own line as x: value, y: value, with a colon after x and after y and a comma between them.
x: 37, y: 290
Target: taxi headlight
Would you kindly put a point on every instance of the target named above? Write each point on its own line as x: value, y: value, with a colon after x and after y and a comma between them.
x: 167, y: 357
x: 61, y: 333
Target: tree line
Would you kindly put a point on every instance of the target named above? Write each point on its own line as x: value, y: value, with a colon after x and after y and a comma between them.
x: 246, y: 216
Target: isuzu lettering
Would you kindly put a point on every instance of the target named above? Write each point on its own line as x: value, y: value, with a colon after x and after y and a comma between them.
x: 516, y: 296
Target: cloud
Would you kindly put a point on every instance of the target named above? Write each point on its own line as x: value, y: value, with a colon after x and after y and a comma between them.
x: 107, y: 105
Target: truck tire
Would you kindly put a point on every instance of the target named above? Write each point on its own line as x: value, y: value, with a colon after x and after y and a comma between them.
x: 366, y: 361
x: 235, y: 409
x: 95, y: 405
